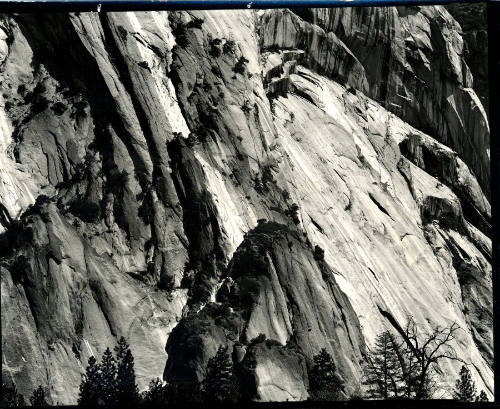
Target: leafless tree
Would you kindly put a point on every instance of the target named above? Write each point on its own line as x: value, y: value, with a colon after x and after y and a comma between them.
x: 428, y: 349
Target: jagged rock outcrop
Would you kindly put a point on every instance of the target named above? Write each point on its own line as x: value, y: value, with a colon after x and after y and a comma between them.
x: 413, y: 61
x: 326, y: 53
x: 64, y: 300
x: 472, y: 17
x: 154, y: 142
x: 446, y: 166
x: 277, y: 287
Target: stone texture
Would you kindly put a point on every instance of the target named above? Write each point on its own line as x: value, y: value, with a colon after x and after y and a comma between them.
x: 414, y: 62
x: 274, y: 287
x: 473, y: 20
x: 140, y: 150
x: 63, y: 302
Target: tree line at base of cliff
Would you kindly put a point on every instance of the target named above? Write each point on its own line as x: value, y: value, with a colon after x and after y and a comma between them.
x: 400, y: 366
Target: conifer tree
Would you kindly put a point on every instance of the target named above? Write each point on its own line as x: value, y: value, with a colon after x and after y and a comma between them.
x: 465, y: 388
x: 384, y: 374
x: 38, y: 397
x: 11, y: 397
x: 156, y: 393
x: 482, y: 397
x: 90, y: 386
x: 126, y: 388
x: 108, y: 378
x: 218, y: 384
x: 324, y: 383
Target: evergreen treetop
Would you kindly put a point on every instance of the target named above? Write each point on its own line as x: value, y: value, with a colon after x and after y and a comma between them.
x: 127, y: 390
x: 218, y: 383
x: 324, y: 383
x: 91, y: 384
x: 108, y: 378
x: 465, y: 388
x: 156, y: 393
x: 38, y: 397
x: 384, y: 376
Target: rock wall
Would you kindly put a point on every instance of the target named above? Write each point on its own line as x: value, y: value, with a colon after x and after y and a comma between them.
x: 474, y: 23
x: 166, y: 176
x: 415, y: 66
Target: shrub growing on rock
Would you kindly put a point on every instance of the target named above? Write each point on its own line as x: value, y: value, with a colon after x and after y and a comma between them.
x: 257, y: 340
x: 246, y: 108
x: 215, y: 50
x: 19, y: 268
x: 240, y: 65
x: 319, y: 253
x: 196, y: 22
x: 229, y: 47
x: 86, y: 210
x: 59, y: 108
x: 180, y: 35
x: 293, y: 213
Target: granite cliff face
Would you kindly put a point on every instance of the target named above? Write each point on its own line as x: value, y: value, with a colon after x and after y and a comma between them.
x: 167, y: 176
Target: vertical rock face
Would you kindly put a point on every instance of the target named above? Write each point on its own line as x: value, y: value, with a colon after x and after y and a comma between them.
x: 474, y: 22
x: 277, y: 288
x: 167, y: 176
x: 414, y: 62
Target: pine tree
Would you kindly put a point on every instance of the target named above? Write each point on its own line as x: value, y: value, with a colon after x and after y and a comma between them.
x: 10, y: 396
x: 465, y: 388
x: 384, y: 375
x: 324, y: 383
x: 156, y: 393
x: 482, y: 397
x: 127, y: 391
x: 91, y: 384
x: 108, y: 378
x: 218, y: 384
x: 38, y: 397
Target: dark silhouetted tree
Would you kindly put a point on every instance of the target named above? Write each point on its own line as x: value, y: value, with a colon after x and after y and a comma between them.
x: 324, y: 383
x: 10, y: 396
x: 38, y: 397
x: 429, y: 348
x: 108, y: 387
x: 157, y: 393
x: 91, y: 385
x: 126, y: 388
x: 218, y: 385
x: 384, y: 374
x: 482, y: 397
x: 409, y: 369
x: 465, y: 388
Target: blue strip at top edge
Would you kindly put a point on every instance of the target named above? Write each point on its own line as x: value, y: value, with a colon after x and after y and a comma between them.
x: 121, y: 5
